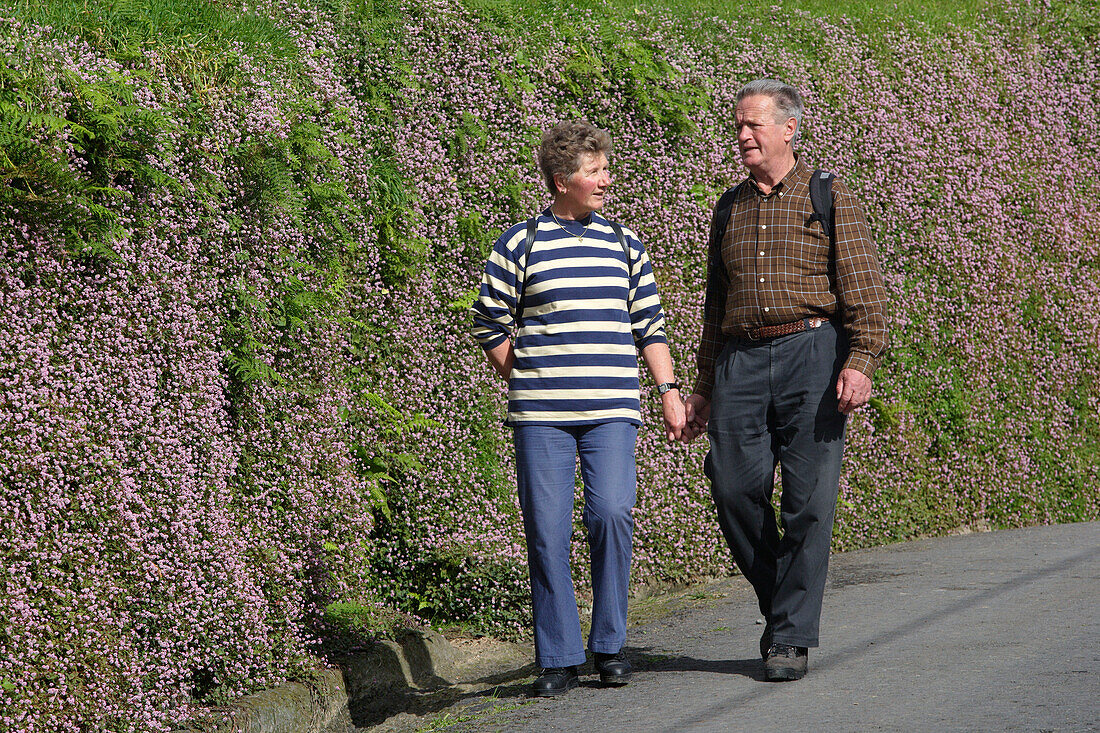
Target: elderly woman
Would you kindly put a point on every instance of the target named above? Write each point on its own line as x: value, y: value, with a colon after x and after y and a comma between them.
x: 578, y: 292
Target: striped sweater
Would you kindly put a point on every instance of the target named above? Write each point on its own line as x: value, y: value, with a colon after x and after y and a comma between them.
x: 586, y: 312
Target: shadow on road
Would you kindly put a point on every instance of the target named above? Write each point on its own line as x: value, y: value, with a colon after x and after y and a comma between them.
x: 911, y: 626
x: 647, y: 660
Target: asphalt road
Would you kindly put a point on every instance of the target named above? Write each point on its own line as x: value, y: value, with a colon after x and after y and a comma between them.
x: 995, y: 631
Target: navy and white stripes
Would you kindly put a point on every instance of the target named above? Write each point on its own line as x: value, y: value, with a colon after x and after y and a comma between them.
x: 586, y: 312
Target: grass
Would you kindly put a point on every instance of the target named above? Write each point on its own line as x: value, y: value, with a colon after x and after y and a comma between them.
x: 936, y: 13
x: 450, y: 719
x: 121, y: 25
x: 197, y: 29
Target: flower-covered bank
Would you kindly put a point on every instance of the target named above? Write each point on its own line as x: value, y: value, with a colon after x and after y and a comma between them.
x: 241, y: 416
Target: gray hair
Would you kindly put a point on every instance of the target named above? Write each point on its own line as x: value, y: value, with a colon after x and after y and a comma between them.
x: 564, y: 144
x: 788, y: 102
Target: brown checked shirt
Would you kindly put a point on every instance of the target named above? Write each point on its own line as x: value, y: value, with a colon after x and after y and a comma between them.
x: 780, y: 267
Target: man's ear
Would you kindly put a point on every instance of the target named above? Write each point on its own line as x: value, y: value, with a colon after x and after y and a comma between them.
x: 790, y: 129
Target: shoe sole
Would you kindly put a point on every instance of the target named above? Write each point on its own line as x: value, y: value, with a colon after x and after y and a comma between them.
x: 554, y: 693
x: 617, y: 680
x: 785, y: 674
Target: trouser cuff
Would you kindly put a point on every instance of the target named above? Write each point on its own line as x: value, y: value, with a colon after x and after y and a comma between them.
x: 604, y: 648
x: 568, y: 660
x: 805, y: 641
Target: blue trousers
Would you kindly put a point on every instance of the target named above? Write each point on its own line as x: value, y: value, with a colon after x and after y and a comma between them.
x: 774, y: 402
x: 545, y: 467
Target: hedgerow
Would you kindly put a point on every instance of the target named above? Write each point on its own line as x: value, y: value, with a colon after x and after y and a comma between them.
x: 243, y: 423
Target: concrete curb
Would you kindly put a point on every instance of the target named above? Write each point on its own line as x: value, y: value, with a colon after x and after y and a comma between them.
x: 392, y: 677
x: 370, y: 682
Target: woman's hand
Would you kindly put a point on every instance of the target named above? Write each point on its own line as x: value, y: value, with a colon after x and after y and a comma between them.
x: 659, y: 362
x: 673, y: 406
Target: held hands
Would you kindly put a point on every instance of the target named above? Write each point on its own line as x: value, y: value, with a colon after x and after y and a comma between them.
x: 696, y: 414
x: 853, y: 389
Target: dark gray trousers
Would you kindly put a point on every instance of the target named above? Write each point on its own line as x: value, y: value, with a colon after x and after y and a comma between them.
x: 774, y: 402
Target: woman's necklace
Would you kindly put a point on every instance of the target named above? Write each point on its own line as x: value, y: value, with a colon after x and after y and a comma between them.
x: 579, y: 236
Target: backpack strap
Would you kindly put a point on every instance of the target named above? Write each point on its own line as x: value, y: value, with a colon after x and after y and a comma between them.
x: 821, y: 195
x: 529, y: 241
x: 716, y: 271
x: 617, y: 228
x: 626, y: 251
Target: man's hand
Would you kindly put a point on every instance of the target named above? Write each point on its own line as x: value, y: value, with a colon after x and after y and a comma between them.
x: 696, y: 413
x: 853, y: 389
x: 673, y: 406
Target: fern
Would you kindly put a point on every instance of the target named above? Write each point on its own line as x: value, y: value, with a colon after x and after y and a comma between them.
x: 248, y: 369
x: 378, y: 463
x: 395, y: 422
x: 102, y: 123
x: 464, y: 303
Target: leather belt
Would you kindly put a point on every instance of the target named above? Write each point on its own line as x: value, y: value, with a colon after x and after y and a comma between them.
x: 784, y: 329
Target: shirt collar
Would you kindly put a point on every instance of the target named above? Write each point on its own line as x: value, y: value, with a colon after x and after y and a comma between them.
x: 799, y: 173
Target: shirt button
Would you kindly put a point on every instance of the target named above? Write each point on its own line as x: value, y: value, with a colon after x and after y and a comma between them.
x: 761, y: 254
x: 780, y: 193
x: 761, y: 279
x: 763, y: 226
x: 766, y: 309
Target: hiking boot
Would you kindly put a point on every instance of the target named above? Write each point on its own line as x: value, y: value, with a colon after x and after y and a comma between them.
x: 554, y: 681
x: 785, y: 662
x: 613, y: 668
x: 766, y: 641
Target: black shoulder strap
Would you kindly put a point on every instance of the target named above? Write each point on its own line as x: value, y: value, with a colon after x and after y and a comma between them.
x: 821, y: 195
x: 622, y: 242
x: 532, y: 230
x: 718, y: 223
x: 626, y: 251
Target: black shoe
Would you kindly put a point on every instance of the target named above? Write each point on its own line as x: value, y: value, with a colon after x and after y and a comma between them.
x: 613, y: 668
x: 766, y: 641
x: 785, y: 662
x: 554, y: 681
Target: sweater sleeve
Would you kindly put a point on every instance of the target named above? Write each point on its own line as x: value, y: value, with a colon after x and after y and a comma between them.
x: 494, y: 311
x: 647, y: 319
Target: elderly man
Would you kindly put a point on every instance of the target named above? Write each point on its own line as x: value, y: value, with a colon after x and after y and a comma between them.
x: 794, y: 328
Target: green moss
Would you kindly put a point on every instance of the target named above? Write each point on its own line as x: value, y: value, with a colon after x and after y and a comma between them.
x: 356, y: 618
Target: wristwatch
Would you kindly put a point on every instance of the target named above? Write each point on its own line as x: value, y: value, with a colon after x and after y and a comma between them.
x: 667, y: 386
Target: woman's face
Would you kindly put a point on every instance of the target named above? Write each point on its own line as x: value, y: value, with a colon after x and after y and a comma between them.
x: 583, y: 192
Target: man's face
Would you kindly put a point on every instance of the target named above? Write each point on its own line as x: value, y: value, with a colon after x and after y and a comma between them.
x: 762, y: 138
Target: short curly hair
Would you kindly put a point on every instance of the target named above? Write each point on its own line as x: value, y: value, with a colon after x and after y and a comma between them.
x: 564, y: 144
